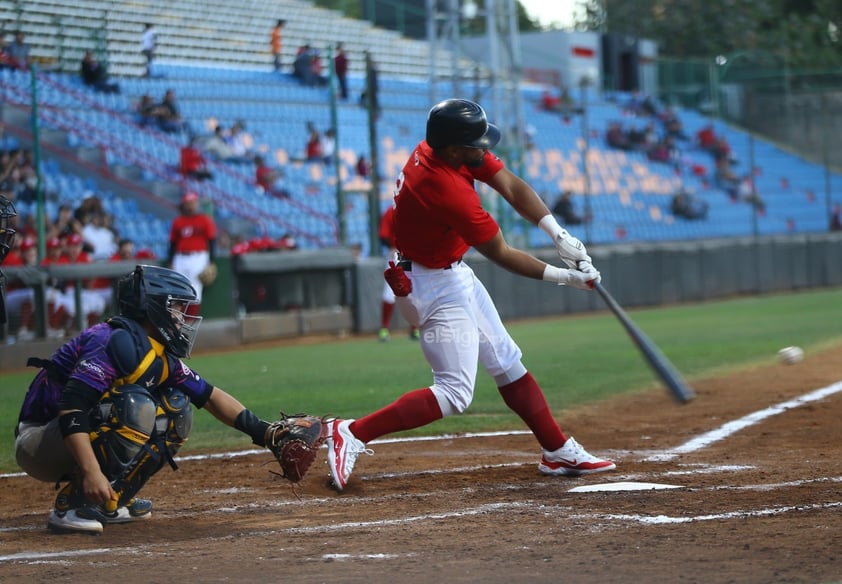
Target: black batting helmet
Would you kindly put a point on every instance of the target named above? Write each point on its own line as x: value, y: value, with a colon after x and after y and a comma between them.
x: 7, y: 234
x: 459, y: 122
x: 161, y: 296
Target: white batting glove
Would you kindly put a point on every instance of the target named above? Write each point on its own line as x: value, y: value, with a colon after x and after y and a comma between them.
x: 590, y: 272
x: 574, y: 278
x: 570, y: 249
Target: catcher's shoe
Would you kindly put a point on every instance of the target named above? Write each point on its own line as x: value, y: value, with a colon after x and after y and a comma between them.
x: 343, y: 448
x: 71, y: 521
x: 135, y: 510
x: 572, y: 460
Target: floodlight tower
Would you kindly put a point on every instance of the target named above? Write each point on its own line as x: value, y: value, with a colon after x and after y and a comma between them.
x: 502, y: 72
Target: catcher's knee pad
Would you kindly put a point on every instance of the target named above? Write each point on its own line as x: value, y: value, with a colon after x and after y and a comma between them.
x: 172, y: 424
x: 122, y: 423
x: 174, y: 419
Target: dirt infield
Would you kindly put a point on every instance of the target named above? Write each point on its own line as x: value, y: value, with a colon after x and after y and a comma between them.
x: 760, y: 501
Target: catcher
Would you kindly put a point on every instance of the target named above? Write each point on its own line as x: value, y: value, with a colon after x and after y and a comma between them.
x: 113, y: 405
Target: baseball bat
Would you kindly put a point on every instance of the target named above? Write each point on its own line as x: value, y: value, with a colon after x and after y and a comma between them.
x: 654, y: 357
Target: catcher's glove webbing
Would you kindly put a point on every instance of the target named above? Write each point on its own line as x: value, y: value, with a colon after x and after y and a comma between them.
x: 295, y: 441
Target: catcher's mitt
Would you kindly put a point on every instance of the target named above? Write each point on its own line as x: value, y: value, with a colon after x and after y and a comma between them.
x: 208, y: 275
x: 295, y: 440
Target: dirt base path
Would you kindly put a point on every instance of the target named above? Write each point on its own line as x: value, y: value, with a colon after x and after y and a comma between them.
x: 760, y: 500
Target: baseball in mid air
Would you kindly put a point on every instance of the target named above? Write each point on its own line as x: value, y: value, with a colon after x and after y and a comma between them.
x: 790, y: 355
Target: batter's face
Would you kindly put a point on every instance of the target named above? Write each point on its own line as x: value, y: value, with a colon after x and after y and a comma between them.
x: 457, y: 156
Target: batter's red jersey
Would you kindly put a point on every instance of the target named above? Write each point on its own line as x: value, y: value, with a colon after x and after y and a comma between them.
x: 386, y: 233
x: 438, y: 213
x: 191, y: 233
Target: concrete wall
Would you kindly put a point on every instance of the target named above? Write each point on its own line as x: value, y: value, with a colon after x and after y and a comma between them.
x: 636, y: 274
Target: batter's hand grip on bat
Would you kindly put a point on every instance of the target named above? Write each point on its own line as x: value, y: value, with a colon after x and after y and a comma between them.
x: 656, y: 360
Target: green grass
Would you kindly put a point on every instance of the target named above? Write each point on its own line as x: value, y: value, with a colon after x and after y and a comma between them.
x: 576, y: 359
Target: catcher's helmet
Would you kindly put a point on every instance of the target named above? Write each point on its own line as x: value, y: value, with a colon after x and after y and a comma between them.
x: 161, y: 297
x: 459, y: 122
x: 7, y: 234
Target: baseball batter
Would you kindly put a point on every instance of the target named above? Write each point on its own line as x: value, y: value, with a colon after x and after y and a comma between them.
x: 438, y: 217
x: 192, y: 244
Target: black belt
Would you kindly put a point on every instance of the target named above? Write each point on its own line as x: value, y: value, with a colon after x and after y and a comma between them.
x: 407, y: 265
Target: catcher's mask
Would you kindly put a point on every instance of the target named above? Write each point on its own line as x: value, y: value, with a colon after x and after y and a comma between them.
x: 161, y: 296
x: 7, y: 234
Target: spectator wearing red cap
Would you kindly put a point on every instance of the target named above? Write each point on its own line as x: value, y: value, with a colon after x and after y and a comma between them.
x: 92, y: 304
x: 192, y: 244
x: 20, y: 299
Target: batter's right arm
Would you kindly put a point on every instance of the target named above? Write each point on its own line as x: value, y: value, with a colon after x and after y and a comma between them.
x: 524, y: 264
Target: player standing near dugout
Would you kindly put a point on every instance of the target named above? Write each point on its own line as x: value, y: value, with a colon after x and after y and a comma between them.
x: 438, y: 217
x: 192, y: 245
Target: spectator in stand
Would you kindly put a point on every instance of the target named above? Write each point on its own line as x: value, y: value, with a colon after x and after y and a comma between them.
x: 706, y: 138
x: 270, y: 179
x: 105, y: 286
x: 565, y: 210
x: 65, y: 223
x: 146, y: 111
x: 192, y: 244
x: 725, y: 179
x: 26, y: 176
x: 94, y: 75
x: 370, y: 98
x: 192, y: 164
x: 747, y: 192
x: 313, y: 149
x: 340, y: 66
x: 18, y: 51
x: 363, y: 167
x: 286, y: 243
x: 687, y: 205
x: 665, y: 151
x: 329, y: 146
x: 6, y: 61
x: 99, y: 237
x: 92, y: 304
x: 615, y: 137
x: 148, y: 45
x: 239, y: 143
x: 20, y: 298
x: 276, y: 42
x: 307, y: 66
x: 672, y: 124
x: 168, y: 115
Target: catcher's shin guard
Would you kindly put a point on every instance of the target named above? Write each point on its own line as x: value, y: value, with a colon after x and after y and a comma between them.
x: 121, y: 425
x: 173, y: 423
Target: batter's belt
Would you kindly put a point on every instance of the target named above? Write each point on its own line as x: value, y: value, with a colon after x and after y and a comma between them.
x: 407, y: 264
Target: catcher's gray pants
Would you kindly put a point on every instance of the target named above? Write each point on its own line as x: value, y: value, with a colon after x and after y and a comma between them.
x: 41, y: 453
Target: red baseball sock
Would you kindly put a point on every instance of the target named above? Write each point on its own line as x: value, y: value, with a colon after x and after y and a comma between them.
x: 386, y: 313
x: 412, y: 410
x: 525, y: 398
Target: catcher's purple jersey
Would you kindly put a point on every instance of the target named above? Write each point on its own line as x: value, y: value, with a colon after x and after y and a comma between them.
x: 87, y: 358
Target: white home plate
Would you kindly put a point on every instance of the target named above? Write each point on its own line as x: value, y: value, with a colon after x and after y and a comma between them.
x: 622, y: 486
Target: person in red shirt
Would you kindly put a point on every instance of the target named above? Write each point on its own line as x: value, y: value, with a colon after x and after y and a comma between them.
x: 192, y: 244
x: 340, y: 66
x: 193, y: 164
x: 438, y: 218
x: 386, y: 233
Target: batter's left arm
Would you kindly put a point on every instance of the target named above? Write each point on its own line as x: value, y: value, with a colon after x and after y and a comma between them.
x: 519, y: 195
